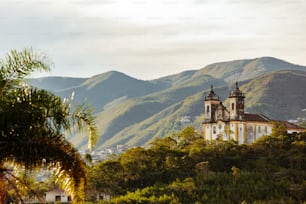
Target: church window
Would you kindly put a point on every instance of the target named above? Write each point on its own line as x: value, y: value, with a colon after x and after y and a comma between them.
x: 249, y: 129
x: 220, y: 126
x: 207, y: 109
x: 266, y: 130
x: 214, y: 130
x: 259, y: 129
x: 233, y: 106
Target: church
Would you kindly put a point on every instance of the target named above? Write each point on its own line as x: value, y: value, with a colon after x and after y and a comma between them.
x: 233, y: 122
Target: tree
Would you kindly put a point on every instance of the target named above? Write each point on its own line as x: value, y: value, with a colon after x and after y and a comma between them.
x: 187, y: 135
x: 106, y: 177
x: 33, y: 123
x: 278, y: 129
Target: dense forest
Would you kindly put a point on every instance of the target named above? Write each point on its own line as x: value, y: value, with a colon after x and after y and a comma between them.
x: 183, y: 168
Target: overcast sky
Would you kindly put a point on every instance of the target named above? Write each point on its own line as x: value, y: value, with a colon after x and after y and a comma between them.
x: 148, y: 39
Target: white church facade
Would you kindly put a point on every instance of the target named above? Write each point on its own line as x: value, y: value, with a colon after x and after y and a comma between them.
x: 234, y: 123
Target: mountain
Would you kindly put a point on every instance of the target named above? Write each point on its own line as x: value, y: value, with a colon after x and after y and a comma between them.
x: 280, y: 95
x: 240, y: 70
x: 133, y: 112
x: 56, y: 84
x: 175, y: 79
x: 101, y: 90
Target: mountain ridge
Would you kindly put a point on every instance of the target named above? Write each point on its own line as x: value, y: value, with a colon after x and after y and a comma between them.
x: 240, y: 70
x: 133, y: 112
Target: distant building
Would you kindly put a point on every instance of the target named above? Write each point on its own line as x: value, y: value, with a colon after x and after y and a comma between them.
x: 185, y: 119
x: 234, y: 123
x: 57, y: 196
x: 121, y: 148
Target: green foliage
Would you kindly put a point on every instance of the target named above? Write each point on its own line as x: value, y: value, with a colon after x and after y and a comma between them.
x: 18, y: 64
x: 271, y: 170
x: 33, y: 124
x: 146, y: 196
x: 278, y: 129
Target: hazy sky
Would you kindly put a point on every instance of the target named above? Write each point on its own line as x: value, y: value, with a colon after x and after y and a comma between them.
x: 148, y: 39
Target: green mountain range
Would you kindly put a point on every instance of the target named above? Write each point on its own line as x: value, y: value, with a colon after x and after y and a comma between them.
x: 133, y: 112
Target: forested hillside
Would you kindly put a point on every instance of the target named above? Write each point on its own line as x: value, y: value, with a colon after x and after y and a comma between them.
x: 183, y: 168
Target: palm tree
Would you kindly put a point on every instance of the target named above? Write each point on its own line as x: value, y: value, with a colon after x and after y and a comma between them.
x: 33, y: 123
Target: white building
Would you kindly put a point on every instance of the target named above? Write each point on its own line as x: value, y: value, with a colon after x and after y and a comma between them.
x: 234, y: 123
x: 57, y: 195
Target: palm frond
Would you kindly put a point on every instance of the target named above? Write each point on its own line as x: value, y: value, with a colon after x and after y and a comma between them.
x: 18, y: 64
x: 83, y: 117
x: 33, y: 123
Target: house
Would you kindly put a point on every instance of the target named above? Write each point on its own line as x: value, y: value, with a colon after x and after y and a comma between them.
x: 234, y: 123
x: 57, y: 195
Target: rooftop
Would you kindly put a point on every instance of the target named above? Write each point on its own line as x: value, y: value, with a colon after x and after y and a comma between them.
x: 211, y: 95
x: 256, y: 117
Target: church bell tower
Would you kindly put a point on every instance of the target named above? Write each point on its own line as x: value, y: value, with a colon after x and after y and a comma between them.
x: 236, y: 104
x: 211, y: 103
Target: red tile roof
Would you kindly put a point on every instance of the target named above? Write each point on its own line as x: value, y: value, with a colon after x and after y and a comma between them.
x: 263, y: 118
x: 289, y: 125
x: 256, y: 118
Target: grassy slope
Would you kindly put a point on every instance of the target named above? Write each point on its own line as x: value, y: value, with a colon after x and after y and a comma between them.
x: 135, y: 111
x: 111, y: 88
x: 164, y: 122
x: 280, y: 95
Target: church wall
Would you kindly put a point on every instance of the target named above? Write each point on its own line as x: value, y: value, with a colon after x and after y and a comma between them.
x: 207, y: 131
x: 234, y: 130
x: 219, y: 130
x: 249, y: 132
x: 237, y: 132
x: 263, y: 129
x: 257, y: 130
x: 241, y: 132
x: 213, y: 131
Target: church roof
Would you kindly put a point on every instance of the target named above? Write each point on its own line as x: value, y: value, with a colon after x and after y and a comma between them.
x: 256, y: 118
x: 262, y: 118
x: 289, y: 125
